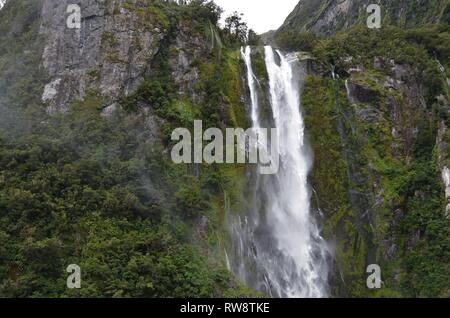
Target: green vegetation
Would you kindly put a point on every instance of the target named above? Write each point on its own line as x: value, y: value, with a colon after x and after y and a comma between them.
x: 360, y: 46
x: 326, y: 18
x: 109, y: 39
x: 79, y: 191
x: 323, y: 103
x: 382, y: 193
x: 236, y: 27
x: 102, y: 193
x: 79, y: 188
x: 294, y: 41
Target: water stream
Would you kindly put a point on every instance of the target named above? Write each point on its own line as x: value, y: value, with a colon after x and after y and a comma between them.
x: 276, y: 244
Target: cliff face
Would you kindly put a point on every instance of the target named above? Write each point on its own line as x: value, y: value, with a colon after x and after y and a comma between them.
x: 21, y: 74
x: 377, y: 115
x: 376, y: 106
x: 113, y: 51
x: 109, y: 54
x: 325, y: 17
x: 92, y: 110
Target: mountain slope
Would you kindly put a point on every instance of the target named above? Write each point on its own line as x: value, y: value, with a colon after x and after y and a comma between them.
x: 85, y: 172
x: 376, y: 106
x: 85, y: 135
x: 324, y: 17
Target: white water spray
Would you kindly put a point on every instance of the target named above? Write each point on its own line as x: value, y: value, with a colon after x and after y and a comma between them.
x: 251, y: 80
x: 278, y: 248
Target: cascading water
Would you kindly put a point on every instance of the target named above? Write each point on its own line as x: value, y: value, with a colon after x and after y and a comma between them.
x: 277, y: 247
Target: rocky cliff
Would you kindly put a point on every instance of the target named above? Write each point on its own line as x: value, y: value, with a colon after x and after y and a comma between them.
x: 109, y: 53
x: 376, y: 104
x: 114, y: 49
x: 377, y: 119
x: 325, y: 17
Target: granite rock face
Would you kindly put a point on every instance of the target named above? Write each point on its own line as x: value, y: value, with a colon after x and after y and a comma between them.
x: 114, y: 49
x: 108, y: 54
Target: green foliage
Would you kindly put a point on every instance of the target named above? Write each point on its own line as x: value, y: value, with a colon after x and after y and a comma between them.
x: 259, y: 64
x: 320, y: 117
x: 221, y: 85
x: 424, y: 235
x: 322, y: 101
x: 362, y: 45
x: 204, y: 10
x: 103, y: 193
x: 153, y: 92
x: 312, y: 15
x: 446, y: 15
x: 150, y: 12
x: 109, y: 38
x: 253, y: 38
x: 236, y: 27
x: 407, y: 181
x: 189, y: 198
x: 77, y: 191
x: 295, y: 41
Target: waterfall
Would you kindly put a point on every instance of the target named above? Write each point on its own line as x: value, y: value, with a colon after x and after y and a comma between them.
x: 251, y: 79
x: 349, y: 92
x: 277, y: 247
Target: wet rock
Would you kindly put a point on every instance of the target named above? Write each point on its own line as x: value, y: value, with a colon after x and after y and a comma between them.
x: 188, y: 47
x: 392, y: 83
x: 359, y: 94
x: 368, y: 115
x: 443, y: 101
x: 377, y: 63
x: 51, y: 90
x: 108, y: 54
x: 109, y: 111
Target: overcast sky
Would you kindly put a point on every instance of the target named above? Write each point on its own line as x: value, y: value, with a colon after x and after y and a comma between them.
x: 261, y: 15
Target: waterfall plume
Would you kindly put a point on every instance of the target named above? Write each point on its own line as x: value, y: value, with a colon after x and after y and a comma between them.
x: 276, y: 244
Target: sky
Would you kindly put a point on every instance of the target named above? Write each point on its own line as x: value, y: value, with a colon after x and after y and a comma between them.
x: 260, y: 15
